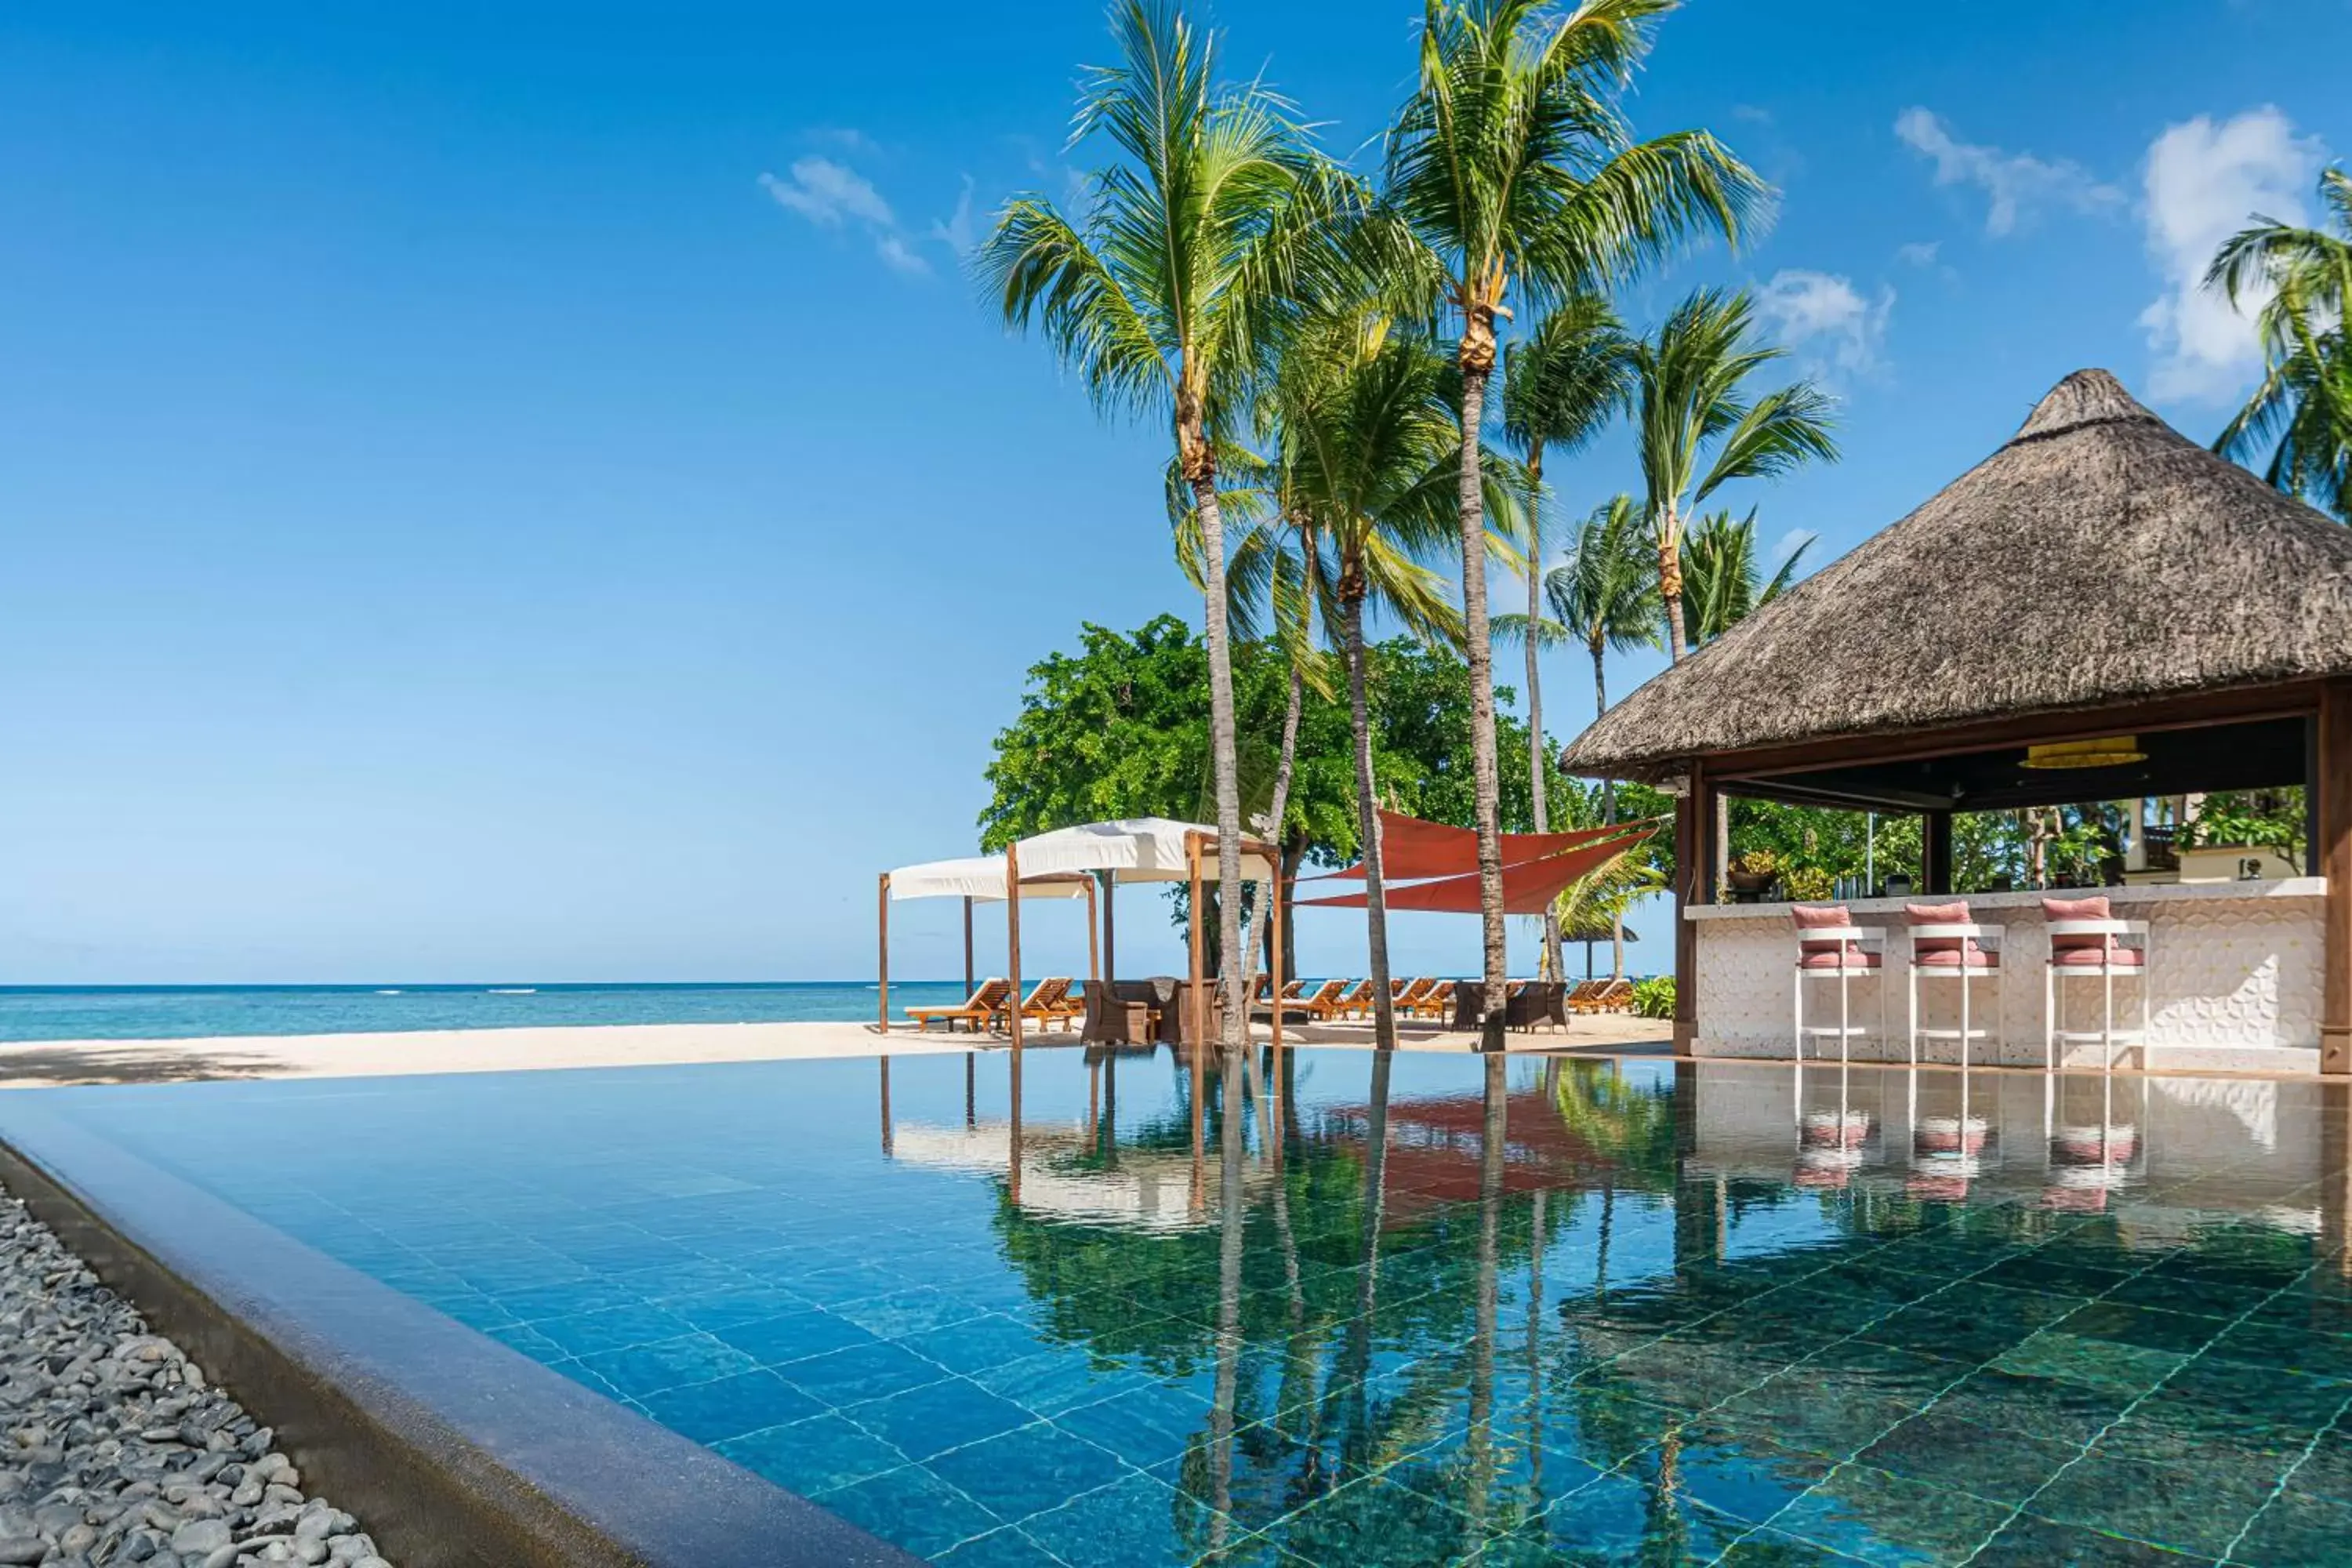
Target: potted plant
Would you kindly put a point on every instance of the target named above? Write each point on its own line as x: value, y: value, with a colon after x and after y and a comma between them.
x: 1751, y: 874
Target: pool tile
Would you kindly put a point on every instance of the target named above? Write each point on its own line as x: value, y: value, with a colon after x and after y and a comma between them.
x: 1029, y: 1469
x: 1879, y: 1517
x: 1144, y: 1427
x: 2146, y: 1328
x: 2288, y: 1349
x: 2197, y: 1509
x: 814, y: 1456
x: 2297, y: 1532
x: 1998, y: 1465
x: 615, y: 1328
x: 2027, y: 1542
x: 794, y: 1336
x: 733, y: 1407
x: 1135, y: 1520
x: 638, y: 1371
x: 940, y: 1416
x: 1004, y: 1547
x: 911, y: 1506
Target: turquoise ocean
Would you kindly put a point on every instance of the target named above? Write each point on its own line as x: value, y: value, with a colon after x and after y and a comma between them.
x: 189, y: 1012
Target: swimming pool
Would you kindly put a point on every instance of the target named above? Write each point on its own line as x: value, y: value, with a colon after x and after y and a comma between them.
x: 1423, y: 1309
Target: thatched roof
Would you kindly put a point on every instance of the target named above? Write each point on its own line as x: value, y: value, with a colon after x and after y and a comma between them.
x: 2099, y: 558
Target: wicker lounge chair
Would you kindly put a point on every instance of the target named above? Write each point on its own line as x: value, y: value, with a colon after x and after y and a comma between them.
x: 974, y: 1012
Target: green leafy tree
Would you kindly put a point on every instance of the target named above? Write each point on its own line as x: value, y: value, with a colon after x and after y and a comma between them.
x: 1511, y: 165
x: 1699, y: 429
x: 2298, y: 422
x: 1196, y: 243
x: 1561, y: 386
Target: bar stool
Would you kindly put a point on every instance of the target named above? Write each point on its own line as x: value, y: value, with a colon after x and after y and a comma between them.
x: 1946, y: 945
x: 2086, y: 943
x: 1829, y: 947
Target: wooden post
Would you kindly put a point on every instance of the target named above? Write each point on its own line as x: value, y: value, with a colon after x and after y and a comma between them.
x: 1013, y: 963
x: 967, y: 945
x: 1690, y: 875
x: 1094, y: 951
x: 1195, y: 1023
x: 1936, y: 852
x: 1111, y: 927
x: 2336, y: 864
x: 883, y: 963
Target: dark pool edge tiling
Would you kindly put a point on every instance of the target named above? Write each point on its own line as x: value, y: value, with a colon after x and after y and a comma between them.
x: 459, y: 1451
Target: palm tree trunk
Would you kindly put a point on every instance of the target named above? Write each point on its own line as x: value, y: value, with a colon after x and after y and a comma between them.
x: 1222, y: 750
x: 1477, y: 357
x: 1670, y: 584
x: 1277, y: 809
x: 1608, y: 809
x: 1536, y: 759
x: 1368, y: 814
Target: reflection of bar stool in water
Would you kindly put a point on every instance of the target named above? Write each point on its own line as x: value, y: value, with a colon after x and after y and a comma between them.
x: 1947, y: 1152
x: 2089, y: 1160
x: 1831, y: 947
x: 1947, y: 945
x: 2086, y: 944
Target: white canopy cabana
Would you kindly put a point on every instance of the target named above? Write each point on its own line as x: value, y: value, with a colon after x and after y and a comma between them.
x: 971, y: 878
x: 1135, y: 850
x: 1143, y: 849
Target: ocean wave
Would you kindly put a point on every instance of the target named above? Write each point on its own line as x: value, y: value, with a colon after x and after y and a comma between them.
x: 513, y: 990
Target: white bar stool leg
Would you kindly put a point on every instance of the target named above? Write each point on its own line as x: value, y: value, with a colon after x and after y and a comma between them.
x: 1964, y: 1008
x: 1913, y: 975
x: 1844, y: 1012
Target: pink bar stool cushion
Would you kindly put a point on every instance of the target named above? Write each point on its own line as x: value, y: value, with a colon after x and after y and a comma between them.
x: 2120, y: 956
x: 1949, y: 958
x: 1824, y: 954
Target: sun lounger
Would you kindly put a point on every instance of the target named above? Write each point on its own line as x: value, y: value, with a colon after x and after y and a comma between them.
x: 1586, y: 994
x: 973, y: 1011
x: 1049, y: 1002
x: 1433, y: 1003
x: 1613, y: 996
x: 1327, y: 1000
x: 1357, y: 1002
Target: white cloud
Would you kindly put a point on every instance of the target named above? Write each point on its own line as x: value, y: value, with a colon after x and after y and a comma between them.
x: 1919, y: 252
x: 2204, y: 182
x: 1825, y: 318
x: 956, y: 231
x: 824, y: 193
x: 1796, y: 539
x: 834, y: 195
x: 2016, y: 184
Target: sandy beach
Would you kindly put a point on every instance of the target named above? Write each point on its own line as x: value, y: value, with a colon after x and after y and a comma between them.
x: 52, y: 1063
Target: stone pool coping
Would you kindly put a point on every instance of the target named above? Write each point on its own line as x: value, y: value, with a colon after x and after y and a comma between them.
x: 458, y: 1451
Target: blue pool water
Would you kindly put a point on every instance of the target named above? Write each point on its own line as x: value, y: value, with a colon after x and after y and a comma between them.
x: 1434, y: 1309
x: 165, y: 1012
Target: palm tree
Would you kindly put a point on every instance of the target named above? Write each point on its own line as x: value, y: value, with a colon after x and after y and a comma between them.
x: 1723, y: 582
x: 2302, y: 413
x: 1366, y: 437
x: 1605, y: 595
x: 1561, y: 385
x: 1604, y: 894
x: 1194, y: 247
x: 1511, y: 164
x: 1690, y: 408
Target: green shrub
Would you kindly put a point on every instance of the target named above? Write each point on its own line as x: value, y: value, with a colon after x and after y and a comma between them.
x: 1654, y: 997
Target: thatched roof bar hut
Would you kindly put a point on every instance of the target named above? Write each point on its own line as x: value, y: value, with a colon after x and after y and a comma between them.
x: 2099, y: 577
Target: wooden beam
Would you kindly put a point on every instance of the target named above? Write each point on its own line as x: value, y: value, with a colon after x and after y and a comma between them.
x: 2187, y: 712
x: 2335, y: 780
x: 1935, y: 851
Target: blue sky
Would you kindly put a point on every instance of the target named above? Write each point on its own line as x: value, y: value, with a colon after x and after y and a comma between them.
x: 527, y: 492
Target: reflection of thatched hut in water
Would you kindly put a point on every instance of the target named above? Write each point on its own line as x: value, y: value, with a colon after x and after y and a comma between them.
x: 1063, y: 1177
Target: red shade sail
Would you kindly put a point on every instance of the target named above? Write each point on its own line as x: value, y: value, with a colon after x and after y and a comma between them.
x: 1412, y: 849
x: 1528, y: 887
